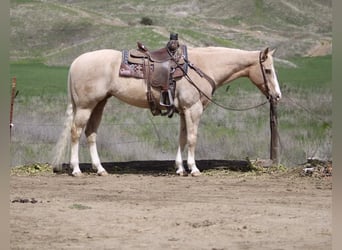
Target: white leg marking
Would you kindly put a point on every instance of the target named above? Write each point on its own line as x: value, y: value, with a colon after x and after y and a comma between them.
x: 95, y: 159
x: 182, y: 142
x: 74, y: 161
x: 192, y: 164
x: 179, y: 163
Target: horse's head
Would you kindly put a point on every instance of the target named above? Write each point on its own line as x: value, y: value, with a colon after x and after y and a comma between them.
x: 263, y: 75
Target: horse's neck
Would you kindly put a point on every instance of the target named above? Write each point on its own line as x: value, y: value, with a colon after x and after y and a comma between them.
x: 225, y: 65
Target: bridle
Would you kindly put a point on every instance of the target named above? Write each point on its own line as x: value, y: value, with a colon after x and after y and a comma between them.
x: 262, y: 68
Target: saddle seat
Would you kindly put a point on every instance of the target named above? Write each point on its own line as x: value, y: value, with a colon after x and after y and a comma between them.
x: 159, y: 55
x: 159, y: 68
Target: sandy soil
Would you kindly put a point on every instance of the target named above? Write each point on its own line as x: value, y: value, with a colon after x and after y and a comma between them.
x: 218, y: 210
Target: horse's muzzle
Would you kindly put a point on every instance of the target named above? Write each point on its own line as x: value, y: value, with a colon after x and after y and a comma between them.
x: 277, y: 98
x: 274, y: 98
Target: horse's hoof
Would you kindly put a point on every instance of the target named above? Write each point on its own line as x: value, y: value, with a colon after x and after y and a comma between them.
x: 182, y: 173
x: 196, y: 173
x: 102, y: 173
x: 77, y: 174
x: 57, y: 169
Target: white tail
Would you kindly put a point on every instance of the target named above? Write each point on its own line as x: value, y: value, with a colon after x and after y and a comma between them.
x: 63, y: 143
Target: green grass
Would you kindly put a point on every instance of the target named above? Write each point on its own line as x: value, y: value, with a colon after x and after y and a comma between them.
x: 36, y: 79
x: 311, y: 73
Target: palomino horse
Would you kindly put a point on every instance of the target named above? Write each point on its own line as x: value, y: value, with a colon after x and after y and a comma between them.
x: 94, y: 77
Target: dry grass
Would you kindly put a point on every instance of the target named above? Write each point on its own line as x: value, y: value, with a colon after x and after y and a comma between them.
x: 129, y: 133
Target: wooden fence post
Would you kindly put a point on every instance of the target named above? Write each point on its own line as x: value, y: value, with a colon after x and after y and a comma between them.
x: 14, y: 85
x: 274, y: 151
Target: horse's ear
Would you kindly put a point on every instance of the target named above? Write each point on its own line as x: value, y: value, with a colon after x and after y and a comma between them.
x: 272, y: 51
x: 264, y: 54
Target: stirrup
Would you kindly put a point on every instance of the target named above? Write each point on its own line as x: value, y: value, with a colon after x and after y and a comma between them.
x: 166, y: 99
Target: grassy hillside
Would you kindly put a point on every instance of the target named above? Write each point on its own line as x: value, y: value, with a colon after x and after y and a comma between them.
x: 56, y: 31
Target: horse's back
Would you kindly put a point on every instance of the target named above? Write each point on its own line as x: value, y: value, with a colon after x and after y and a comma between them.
x: 96, y: 58
x: 91, y: 74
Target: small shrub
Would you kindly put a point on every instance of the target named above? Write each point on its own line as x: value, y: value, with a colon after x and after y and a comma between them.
x: 79, y: 207
x: 146, y: 21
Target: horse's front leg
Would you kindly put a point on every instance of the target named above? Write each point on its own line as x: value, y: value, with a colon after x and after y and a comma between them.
x: 192, y: 119
x: 182, y: 142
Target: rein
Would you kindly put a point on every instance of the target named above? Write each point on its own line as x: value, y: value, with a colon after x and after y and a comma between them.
x: 212, y: 83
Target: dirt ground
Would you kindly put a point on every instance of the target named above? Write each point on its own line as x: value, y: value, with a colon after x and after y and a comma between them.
x: 150, y: 210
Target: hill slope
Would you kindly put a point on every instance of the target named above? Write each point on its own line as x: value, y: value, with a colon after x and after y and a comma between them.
x: 57, y: 31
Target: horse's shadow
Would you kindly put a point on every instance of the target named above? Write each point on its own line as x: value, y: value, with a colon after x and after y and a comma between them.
x: 163, y: 167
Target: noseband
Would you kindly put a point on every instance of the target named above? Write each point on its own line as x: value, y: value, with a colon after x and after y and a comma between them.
x: 261, y: 60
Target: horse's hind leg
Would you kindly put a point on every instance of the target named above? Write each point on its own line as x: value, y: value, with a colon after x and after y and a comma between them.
x: 80, y: 120
x: 91, y: 131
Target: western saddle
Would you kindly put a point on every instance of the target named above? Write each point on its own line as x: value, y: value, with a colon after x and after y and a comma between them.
x: 161, y: 69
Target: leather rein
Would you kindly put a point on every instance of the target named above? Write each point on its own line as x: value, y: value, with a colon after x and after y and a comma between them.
x: 212, y: 83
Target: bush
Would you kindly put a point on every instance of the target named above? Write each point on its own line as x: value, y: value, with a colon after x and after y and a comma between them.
x: 146, y: 21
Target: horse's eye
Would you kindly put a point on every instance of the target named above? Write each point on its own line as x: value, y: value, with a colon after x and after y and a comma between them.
x: 268, y: 71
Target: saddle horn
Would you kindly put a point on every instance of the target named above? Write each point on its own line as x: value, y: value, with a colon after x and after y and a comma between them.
x: 142, y: 47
